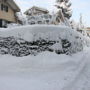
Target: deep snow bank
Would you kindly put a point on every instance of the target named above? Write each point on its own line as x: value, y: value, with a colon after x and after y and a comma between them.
x: 46, y: 71
x: 25, y: 40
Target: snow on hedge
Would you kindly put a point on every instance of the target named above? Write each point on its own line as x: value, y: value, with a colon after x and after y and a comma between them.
x: 55, y: 38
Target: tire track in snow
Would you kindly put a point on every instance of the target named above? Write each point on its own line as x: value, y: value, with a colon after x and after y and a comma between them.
x: 81, y: 81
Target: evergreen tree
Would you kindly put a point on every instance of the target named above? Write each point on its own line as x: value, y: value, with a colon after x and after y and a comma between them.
x: 64, y: 6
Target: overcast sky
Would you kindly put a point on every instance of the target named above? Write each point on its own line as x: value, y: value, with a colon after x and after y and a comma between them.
x: 78, y: 6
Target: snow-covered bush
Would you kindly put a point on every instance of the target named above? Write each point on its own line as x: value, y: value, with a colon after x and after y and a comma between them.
x: 26, y: 40
x: 20, y: 20
x: 11, y: 25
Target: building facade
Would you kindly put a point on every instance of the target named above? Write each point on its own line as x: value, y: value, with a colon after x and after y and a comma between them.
x: 36, y: 11
x: 8, y: 10
x: 38, y: 15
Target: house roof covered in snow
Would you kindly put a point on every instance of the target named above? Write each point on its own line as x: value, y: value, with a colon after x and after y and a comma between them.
x: 37, y: 8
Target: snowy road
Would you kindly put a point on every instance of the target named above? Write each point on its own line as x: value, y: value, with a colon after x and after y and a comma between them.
x: 46, y: 71
x: 82, y: 80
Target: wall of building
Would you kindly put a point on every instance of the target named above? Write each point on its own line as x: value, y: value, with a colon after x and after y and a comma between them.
x: 35, y: 11
x: 9, y: 16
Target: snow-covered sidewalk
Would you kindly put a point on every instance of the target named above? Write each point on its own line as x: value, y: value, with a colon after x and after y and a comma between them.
x: 46, y: 71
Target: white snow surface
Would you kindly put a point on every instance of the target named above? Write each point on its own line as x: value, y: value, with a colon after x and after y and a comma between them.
x: 36, y: 31
x: 32, y: 32
x: 46, y: 71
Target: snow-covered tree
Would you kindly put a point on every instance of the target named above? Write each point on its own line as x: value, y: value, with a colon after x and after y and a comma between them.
x: 74, y: 24
x: 81, y: 25
x: 64, y: 6
x: 21, y: 18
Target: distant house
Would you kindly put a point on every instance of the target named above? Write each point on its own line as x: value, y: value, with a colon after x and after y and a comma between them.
x: 8, y: 9
x: 38, y: 15
x: 88, y: 31
x: 36, y: 11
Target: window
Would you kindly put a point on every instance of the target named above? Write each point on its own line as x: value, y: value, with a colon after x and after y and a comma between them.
x: 32, y: 23
x: 47, y: 21
x: 4, y: 8
x: 39, y: 22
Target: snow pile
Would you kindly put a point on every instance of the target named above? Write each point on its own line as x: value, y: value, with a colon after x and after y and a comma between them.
x: 25, y: 40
